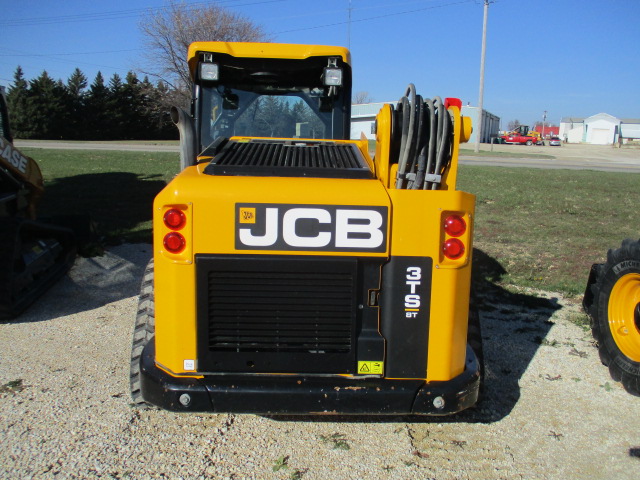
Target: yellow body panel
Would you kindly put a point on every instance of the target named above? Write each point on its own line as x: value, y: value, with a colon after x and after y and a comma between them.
x: 416, y: 231
x: 264, y: 50
x: 383, y: 144
x: 213, y: 221
x: 414, y: 228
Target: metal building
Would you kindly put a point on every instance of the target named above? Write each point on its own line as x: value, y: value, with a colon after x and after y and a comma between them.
x: 363, y: 117
x: 600, y: 129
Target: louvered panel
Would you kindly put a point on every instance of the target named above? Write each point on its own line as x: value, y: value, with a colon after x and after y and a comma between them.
x: 292, y: 308
x: 290, y: 158
x: 277, y: 314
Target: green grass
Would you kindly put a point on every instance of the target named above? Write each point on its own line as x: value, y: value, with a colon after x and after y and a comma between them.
x: 115, y: 188
x: 546, y: 227
x: 533, y: 227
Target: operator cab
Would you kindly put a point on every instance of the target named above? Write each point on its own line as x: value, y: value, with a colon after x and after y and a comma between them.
x: 243, y: 96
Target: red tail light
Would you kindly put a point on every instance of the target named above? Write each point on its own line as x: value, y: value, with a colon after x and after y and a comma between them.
x: 453, y: 249
x: 174, y: 219
x: 454, y: 225
x: 174, y: 242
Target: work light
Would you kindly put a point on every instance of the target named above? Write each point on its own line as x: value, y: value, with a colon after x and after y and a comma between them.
x: 209, y: 71
x: 332, y: 77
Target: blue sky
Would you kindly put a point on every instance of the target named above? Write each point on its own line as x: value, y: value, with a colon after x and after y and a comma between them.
x: 565, y: 57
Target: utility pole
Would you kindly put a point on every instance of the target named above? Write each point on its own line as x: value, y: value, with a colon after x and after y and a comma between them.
x: 482, y: 55
x: 349, y: 28
x: 544, y: 119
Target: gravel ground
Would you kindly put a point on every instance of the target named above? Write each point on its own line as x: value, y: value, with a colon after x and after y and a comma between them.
x: 550, y: 410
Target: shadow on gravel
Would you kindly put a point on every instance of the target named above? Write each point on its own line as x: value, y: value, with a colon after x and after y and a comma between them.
x: 116, y: 202
x: 514, y: 325
x: 102, y: 209
x: 92, y: 283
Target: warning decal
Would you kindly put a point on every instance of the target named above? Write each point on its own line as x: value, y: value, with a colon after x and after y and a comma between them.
x: 370, y: 368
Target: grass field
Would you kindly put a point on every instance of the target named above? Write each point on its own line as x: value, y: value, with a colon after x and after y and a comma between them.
x: 115, y: 188
x: 538, y: 228
x: 546, y: 227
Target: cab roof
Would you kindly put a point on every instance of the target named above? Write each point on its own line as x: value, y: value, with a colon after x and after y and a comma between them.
x: 264, y: 50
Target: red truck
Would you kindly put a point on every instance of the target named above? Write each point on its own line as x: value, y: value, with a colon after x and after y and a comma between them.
x: 521, y: 135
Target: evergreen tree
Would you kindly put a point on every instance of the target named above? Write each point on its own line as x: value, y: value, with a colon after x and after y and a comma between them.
x: 155, y: 120
x: 17, y: 98
x: 135, y: 112
x: 97, y: 125
x: 75, y: 100
x: 76, y: 83
x: 130, y: 109
x: 46, y: 108
x: 117, y: 108
x: 160, y: 96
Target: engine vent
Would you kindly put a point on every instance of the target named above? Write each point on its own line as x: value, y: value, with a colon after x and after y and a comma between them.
x: 276, y: 314
x: 290, y: 158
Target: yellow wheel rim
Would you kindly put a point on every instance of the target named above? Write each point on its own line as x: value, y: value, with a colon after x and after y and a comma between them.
x: 623, y: 310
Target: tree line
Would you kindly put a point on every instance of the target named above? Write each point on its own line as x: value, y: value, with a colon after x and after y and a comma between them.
x: 122, y: 109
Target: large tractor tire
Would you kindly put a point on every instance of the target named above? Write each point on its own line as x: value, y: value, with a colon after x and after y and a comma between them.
x: 144, y: 331
x: 613, y: 302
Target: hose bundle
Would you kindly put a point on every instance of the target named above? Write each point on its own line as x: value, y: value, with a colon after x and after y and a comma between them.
x: 425, y: 142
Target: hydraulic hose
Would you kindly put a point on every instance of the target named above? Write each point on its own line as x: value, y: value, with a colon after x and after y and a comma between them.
x: 425, y: 143
x: 408, y: 121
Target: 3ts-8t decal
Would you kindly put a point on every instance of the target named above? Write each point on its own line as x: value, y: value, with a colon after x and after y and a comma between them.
x: 412, y: 300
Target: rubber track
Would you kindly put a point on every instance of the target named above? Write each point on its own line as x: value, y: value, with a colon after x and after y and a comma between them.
x: 8, y: 235
x: 143, y: 331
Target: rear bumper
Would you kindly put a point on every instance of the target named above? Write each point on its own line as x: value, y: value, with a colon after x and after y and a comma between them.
x: 307, y: 394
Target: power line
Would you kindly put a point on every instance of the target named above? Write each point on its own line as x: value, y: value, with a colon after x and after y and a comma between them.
x: 376, y: 17
x: 19, y: 53
x: 114, y: 15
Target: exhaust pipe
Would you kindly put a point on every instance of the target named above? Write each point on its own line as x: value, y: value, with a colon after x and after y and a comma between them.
x: 184, y: 122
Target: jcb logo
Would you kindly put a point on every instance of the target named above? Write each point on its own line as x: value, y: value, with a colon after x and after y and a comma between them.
x: 311, y: 227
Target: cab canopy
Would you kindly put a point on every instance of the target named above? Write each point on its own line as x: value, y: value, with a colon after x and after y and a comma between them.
x: 270, y: 90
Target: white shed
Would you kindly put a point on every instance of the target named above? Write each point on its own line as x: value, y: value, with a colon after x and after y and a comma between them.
x: 630, y: 129
x: 571, y: 129
x: 601, y: 129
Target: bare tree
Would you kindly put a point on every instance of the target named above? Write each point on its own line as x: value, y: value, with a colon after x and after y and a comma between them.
x: 361, y: 97
x: 170, y: 31
x: 513, y: 124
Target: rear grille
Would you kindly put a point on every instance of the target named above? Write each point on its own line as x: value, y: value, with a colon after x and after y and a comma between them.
x: 280, y: 312
x: 290, y: 158
x: 276, y: 314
